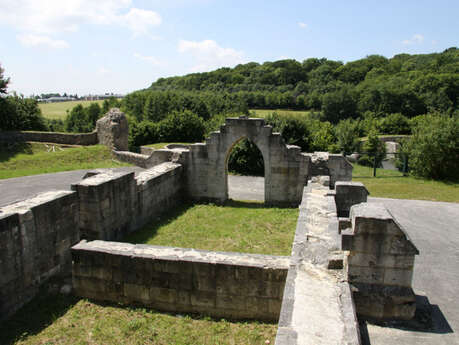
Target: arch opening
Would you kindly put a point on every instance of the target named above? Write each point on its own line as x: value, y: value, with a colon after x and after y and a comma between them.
x: 245, y: 171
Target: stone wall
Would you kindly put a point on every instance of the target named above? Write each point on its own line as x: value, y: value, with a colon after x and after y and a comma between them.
x: 35, y: 240
x: 348, y: 194
x: 50, y: 137
x: 380, y: 263
x: 230, y: 285
x: 317, y: 307
x: 114, y: 204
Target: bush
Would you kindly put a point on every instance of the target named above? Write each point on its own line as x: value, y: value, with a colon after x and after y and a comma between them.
x: 183, y: 126
x: 83, y: 120
x: 347, y: 134
x: 373, y: 150
x: 434, y: 148
x: 18, y: 113
x: 395, y: 124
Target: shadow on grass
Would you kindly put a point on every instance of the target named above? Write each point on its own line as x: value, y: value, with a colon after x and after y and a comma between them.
x: 35, y: 316
x: 9, y: 150
x: 150, y: 230
x: 427, y: 319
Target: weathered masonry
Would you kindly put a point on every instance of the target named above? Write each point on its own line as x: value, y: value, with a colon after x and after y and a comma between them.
x: 349, y: 258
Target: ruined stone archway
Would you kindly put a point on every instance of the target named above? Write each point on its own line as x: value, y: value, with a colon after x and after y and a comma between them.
x: 286, y: 168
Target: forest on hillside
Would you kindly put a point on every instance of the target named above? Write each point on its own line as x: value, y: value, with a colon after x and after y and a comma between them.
x: 416, y: 95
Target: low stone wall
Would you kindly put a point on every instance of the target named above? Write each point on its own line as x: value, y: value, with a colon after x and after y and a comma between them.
x: 148, y: 160
x: 317, y: 307
x: 51, y: 137
x: 35, y: 240
x: 230, y: 285
x: 114, y: 204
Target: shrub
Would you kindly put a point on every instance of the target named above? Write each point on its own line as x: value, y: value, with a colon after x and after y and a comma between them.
x: 434, y: 148
x: 246, y: 159
x: 373, y: 150
x: 18, y: 113
x: 183, y: 126
x: 395, y: 124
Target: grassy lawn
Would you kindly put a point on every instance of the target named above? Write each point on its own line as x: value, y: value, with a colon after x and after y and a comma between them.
x: 392, y: 184
x: 58, y: 110
x: 23, y: 159
x: 238, y: 226
x: 265, y: 112
x: 56, y: 319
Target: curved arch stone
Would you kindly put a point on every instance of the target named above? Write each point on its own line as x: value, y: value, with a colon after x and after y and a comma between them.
x: 286, y: 168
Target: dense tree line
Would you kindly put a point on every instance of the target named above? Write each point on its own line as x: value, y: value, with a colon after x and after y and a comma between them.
x: 407, y: 84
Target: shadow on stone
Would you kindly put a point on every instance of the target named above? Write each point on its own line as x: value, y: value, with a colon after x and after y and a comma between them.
x: 428, y: 318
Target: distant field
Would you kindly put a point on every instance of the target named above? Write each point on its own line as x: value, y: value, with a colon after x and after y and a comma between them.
x: 58, y: 110
x: 265, y: 112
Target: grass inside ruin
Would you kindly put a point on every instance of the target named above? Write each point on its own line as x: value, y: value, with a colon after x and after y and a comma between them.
x: 57, y: 319
x: 23, y: 159
x: 392, y: 184
x: 237, y: 226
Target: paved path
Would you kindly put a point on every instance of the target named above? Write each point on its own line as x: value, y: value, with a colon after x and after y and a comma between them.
x: 246, y: 188
x: 434, y: 229
x: 21, y: 188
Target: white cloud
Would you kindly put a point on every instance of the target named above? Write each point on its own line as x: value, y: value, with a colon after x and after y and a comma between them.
x: 140, y: 21
x: 416, y: 39
x: 58, y: 16
x: 302, y: 25
x: 150, y: 59
x: 29, y: 40
x: 209, y: 55
x: 103, y: 71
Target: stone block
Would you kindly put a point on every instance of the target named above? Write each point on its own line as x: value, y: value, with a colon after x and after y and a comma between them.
x: 231, y: 302
x: 398, y: 277
x: 163, y: 295
x: 137, y: 293
x: 368, y: 275
x: 203, y: 299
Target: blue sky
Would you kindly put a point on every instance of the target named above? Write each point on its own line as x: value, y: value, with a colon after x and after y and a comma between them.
x: 97, y: 46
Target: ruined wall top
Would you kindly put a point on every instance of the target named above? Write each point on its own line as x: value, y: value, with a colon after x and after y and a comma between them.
x: 113, y: 130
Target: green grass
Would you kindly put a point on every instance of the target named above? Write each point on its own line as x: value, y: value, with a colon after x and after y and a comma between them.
x: 58, y: 110
x: 23, y: 159
x: 392, y: 184
x: 56, y: 319
x: 237, y: 227
x: 265, y: 112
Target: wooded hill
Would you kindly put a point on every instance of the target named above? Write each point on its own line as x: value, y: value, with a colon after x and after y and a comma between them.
x: 406, y: 84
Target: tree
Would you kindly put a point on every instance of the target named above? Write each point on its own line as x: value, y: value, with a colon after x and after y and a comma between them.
x: 347, y: 135
x: 3, y: 81
x: 374, y: 150
x: 433, y: 151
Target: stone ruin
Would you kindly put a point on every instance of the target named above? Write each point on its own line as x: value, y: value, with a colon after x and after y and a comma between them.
x: 349, y: 258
